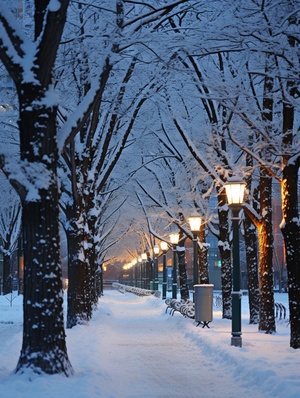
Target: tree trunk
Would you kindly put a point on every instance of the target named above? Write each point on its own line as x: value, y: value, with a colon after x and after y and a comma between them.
x: 291, y: 231
x: 225, y: 254
x: 44, y: 348
x: 265, y: 237
x: 290, y: 210
x: 99, y: 280
x: 265, y: 227
x: 79, y: 308
x: 202, y: 255
x: 6, y: 275
x: 183, y: 279
x: 94, y: 268
x: 252, y: 269
x: 252, y: 249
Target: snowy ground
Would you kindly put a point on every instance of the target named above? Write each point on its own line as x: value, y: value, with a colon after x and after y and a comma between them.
x: 133, y: 349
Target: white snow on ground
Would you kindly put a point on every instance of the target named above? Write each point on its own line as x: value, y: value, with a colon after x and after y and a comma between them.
x: 132, y: 348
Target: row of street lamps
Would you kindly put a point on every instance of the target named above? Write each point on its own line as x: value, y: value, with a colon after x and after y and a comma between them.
x: 234, y: 188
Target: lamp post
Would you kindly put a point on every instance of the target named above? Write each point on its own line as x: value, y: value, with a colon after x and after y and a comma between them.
x: 143, y: 277
x: 134, y: 274
x: 151, y: 269
x: 174, y: 238
x: 195, y: 223
x: 164, y: 247
x: 156, y: 251
x: 235, y: 196
x: 139, y: 284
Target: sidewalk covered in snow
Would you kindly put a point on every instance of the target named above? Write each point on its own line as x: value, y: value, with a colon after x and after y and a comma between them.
x: 132, y: 348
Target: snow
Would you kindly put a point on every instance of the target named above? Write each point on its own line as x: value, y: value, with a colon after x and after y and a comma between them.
x: 34, y: 176
x: 132, y: 348
x: 28, y: 48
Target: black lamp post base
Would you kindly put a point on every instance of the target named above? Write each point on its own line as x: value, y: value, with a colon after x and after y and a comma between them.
x: 174, y: 291
x: 236, y: 341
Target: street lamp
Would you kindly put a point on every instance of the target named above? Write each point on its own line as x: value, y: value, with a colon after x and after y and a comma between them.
x: 174, y: 238
x: 140, y: 261
x: 235, y: 195
x: 195, y: 223
x: 156, y: 251
x: 164, y: 248
x: 134, y: 272
x: 143, y: 268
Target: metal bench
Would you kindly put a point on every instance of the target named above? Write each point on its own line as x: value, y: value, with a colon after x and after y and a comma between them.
x: 184, y: 307
x: 280, y: 311
x: 135, y: 290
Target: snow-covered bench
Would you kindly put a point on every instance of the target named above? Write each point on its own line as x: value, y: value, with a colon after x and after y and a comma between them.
x: 135, y: 290
x: 185, y: 307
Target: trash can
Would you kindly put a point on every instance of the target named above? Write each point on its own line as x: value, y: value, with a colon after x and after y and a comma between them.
x: 203, y: 300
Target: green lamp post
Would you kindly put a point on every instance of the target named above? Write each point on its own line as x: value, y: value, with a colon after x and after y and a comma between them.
x: 174, y: 238
x: 139, y: 281
x: 164, y: 248
x: 195, y: 224
x: 235, y: 195
x: 144, y: 265
x: 156, y: 251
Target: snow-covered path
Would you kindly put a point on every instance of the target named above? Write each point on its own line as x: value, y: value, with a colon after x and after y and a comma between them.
x: 133, y: 349
x: 145, y: 354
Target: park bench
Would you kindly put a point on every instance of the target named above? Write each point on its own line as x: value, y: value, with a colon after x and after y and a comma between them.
x: 218, y: 301
x: 187, y: 307
x: 135, y: 290
x: 280, y: 311
x: 184, y: 307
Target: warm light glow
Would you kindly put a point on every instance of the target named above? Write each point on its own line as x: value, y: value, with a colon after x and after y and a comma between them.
x: 140, y: 259
x: 156, y: 249
x: 144, y: 256
x: 195, y: 223
x: 174, y: 238
x: 134, y: 261
x: 235, y: 191
x: 164, y: 246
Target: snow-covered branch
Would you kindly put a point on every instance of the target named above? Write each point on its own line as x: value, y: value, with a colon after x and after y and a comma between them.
x: 153, y: 15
